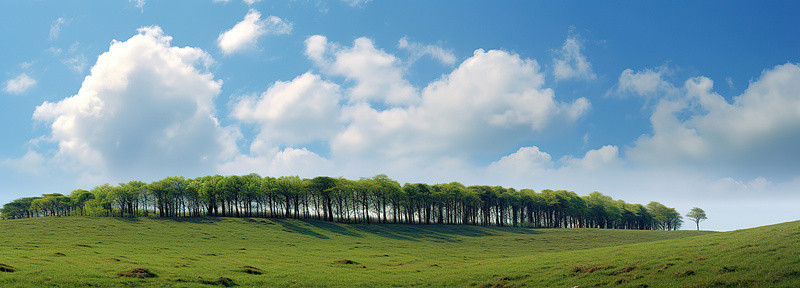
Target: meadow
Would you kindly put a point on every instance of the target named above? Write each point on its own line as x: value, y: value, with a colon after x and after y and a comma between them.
x: 253, y: 252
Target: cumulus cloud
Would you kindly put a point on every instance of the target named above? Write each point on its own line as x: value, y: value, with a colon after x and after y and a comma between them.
x: 526, y: 161
x: 378, y: 75
x: 295, y: 112
x: 603, y: 158
x: 289, y: 161
x: 19, y: 84
x: 250, y: 2
x: 244, y: 35
x: 757, y: 131
x: 418, y: 50
x: 529, y: 161
x: 570, y: 63
x: 145, y: 110
x: 55, y: 28
x: 487, y: 104
x: 317, y: 48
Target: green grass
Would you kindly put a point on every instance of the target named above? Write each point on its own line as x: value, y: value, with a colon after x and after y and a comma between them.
x: 75, y: 251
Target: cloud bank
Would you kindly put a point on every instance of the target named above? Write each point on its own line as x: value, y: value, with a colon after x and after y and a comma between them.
x: 755, y: 132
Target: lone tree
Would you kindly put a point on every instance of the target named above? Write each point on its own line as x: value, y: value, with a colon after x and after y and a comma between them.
x: 697, y: 215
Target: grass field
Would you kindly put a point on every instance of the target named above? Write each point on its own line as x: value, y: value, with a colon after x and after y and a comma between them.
x: 74, y: 251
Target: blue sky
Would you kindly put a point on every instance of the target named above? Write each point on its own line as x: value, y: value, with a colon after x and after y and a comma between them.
x: 689, y: 104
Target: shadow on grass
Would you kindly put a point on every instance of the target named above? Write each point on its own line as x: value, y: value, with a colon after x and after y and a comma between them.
x: 430, y: 232
x: 186, y: 219
x: 291, y: 227
x: 392, y: 232
x: 435, y: 232
x: 128, y: 219
x: 332, y: 227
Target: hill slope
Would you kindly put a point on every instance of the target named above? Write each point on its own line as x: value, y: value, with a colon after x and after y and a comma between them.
x: 76, y: 251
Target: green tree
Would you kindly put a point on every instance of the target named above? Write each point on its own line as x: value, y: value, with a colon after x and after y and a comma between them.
x: 697, y: 215
x: 352, y: 201
x: 664, y: 218
x: 19, y: 208
x: 79, y: 199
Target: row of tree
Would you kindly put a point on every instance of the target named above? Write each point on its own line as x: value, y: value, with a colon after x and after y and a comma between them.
x: 377, y: 199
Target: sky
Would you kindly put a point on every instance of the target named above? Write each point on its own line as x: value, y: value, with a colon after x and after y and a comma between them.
x: 688, y: 104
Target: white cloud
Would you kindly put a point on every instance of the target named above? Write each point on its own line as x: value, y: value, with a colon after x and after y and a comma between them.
x: 671, y: 141
x: 529, y: 161
x: 760, y: 184
x: 603, y: 158
x: 647, y: 83
x: 757, y: 131
x: 378, y: 75
x: 53, y: 50
x: 145, y: 110
x: 504, y: 89
x: 418, y: 50
x: 289, y: 161
x: 250, y: 2
x: 316, y: 49
x: 77, y: 63
x: 244, y: 35
x: 526, y: 161
x: 570, y: 63
x: 276, y: 26
x: 489, y: 103
x: 32, y: 162
x: 356, y: 3
x: 138, y: 3
x: 729, y: 185
x: 19, y: 84
x: 74, y: 47
x: 705, y: 151
x: 55, y: 28
x: 302, y: 110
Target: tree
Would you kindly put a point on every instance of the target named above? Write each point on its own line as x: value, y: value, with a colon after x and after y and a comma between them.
x: 664, y: 218
x: 697, y: 215
x: 352, y: 201
x: 323, y: 187
x: 20, y: 208
x: 79, y: 199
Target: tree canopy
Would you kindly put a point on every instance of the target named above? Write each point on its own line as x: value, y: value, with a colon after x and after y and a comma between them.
x: 697, y: 215
x: 377, y: 199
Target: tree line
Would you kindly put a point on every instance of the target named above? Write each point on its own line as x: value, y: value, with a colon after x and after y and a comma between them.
x: 377, y: 199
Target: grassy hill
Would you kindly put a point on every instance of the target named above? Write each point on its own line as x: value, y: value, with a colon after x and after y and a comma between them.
x: 75, y: 251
